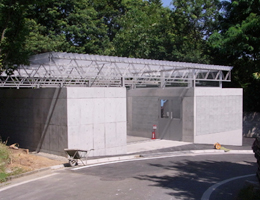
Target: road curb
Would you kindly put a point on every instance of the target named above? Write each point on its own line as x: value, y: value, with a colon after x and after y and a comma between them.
x: 136, y: 156
x: 177, y: 153
x: 206, y: 151
x: 28, y: 173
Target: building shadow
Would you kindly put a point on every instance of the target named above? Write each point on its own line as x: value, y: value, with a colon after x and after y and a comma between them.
x: 190, y: 179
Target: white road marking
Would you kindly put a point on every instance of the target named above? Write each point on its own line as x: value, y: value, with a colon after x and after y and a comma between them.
x: 24, y: 182
x: 208, y: 192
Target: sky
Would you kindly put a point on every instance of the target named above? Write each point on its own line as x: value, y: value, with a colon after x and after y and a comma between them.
x: 166, y: 2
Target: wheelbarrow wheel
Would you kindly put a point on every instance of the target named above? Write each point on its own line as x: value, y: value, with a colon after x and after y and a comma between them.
x: 73, y: 163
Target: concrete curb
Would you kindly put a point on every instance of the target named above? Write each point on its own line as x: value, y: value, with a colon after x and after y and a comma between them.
x: 136, y: 156
x: 27, y: 173
x: 207, y: 151
x: 177, y: 153
x: 163, y: 154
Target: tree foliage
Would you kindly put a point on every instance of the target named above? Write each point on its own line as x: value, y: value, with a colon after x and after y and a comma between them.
x: 200, y: 31
x: 237, y: 43
x: 66, y: 25
x: 142, y: 31
x: 13, y: 29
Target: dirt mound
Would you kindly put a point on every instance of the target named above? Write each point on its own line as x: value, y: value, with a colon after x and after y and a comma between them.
x: 23, y: 161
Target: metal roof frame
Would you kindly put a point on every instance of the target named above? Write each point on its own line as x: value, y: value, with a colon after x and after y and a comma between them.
x: 55, y: 69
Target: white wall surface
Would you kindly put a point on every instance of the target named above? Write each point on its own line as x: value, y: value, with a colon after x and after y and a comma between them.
x: 97, y: 120
x: 218, y: 114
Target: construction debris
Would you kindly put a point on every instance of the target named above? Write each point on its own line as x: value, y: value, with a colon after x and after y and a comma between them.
x: 218, y: 146
x: 14, y: 146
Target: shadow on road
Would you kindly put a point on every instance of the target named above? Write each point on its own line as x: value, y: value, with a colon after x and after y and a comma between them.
x: 190, y: 179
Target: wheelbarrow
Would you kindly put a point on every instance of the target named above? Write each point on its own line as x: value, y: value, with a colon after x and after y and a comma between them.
x: 77, y: 154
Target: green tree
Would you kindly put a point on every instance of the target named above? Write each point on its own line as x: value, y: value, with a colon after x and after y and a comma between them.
x: 66, y: 25
x: 13, y: 29
x: 192, y: 23
x: 237, y: 43
x: 142, y: 33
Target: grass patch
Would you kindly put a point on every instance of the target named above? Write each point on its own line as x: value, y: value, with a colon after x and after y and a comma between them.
x: 4, y: 160
x: 249, y: 193
x: 16, y: 171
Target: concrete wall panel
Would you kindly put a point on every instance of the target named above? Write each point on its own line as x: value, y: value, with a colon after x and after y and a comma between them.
x: 112, y: 93
x: 38, y: 118
x: 120, y: 109
x: 218, y: 114
x: 121, y: 138
x: 87, y: 111
x: 111, y: 108
x: 143, y: 109
x: 188, y: 119
x: 99, y: 136
x: 110, y: 135
x: 82, y: 93
x: 50, y: 120
x: 144, y: 113
x: 224, y: 138
x: 99, y: 108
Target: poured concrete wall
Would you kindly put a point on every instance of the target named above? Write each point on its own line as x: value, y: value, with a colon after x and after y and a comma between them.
x: 143, y: 111
x: 208, y: 115
x: 50, y: 120
x: 188, y: 116
x: 35, y: 118
x: 97, y: 120
x: 218, y: 116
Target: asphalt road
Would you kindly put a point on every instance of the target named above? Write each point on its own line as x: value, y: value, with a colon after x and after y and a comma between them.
x: 187, y: 177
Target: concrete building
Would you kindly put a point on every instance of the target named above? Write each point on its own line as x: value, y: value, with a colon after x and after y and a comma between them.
x: 200, y: 115
x: 65, y: 100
